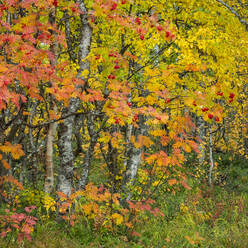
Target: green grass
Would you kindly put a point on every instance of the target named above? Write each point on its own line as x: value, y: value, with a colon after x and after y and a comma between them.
x: 183, y: 225
x: 202, y: 217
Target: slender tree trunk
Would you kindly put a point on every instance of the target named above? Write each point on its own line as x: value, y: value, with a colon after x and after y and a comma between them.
x: 202, y: 134
x: 132, y: 167
x: 210, y: 182
x: 93, y: 133
x: 133, y: 160
x: 65, y: 131
x: 87, y: 164
x: 133, y: 154
x: 66, y: 128
x: 49, y: 167
x: 33, y: 163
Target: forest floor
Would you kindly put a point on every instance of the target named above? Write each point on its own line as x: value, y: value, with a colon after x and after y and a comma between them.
x: 198, y: 218
x: 208, y: 217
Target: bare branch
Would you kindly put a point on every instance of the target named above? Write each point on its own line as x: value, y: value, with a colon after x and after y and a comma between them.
x: 235, y: 13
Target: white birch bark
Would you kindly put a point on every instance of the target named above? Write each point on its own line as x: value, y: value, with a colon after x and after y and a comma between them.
x: 49, y: 167
x: 66, y: 152
x: 66, y: 128
x: 210, y: 181
x: 202, y: 133
x: 131, y: 164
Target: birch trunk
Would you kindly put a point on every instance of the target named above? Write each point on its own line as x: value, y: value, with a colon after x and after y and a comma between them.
x: 89, y: 153
x: 210, y: 157
x: 66, y: 152
x: 66, y: 128
x: 133, y: 160
x: 202, y: 134
x: 87, y: 164
x: 49, y: 168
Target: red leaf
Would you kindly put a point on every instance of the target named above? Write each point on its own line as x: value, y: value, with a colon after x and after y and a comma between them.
x: 205, y: 109
x: 113, y: 7
x: 55, y: 3
x: 135, y: 234
x: 217, y: 119
x: 159, y: 28
x: 137, y: 20
x: 210, y: 116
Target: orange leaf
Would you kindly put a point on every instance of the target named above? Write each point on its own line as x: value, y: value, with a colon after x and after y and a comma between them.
x: 185, y: 185
x: 136, y: 234
x: 5, y: 164
x: 190, y: 240
x: 172, y: 181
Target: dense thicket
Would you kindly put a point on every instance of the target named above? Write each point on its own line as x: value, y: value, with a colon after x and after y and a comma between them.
x: 106, y: 100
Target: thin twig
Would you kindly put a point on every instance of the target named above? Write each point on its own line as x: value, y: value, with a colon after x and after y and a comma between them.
x: 235, y: 13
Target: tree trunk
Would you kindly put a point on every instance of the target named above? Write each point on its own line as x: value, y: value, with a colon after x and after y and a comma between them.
x: 89, y: 153
x: 202, y: 134
x: 87, y: 164
x: 66, y: 151
x: 133, y: 160
x: 66, y: 128
x: 49, y: 168
x: 210, y: 182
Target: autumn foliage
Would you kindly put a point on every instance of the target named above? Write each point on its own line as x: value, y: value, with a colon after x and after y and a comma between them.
x: 102, y: 101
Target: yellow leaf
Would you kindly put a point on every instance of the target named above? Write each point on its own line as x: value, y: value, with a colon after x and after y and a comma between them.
x: 105, y: 139
x: 87, y: 208
x: 172, y: 134
x: 158, y: 132
x: 187, y: 148
x: 118, y: 218
x: 115, y: 142
x: 3, y: 68
x: 84, y: 73
x: 155, y: 183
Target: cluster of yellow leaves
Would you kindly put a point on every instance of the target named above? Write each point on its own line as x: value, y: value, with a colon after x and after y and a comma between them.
x: 95, y: 204
x: 49, y: 203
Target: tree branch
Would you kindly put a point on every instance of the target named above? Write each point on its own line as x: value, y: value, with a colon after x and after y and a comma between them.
x: 235, y: 13
x: 59, y: 119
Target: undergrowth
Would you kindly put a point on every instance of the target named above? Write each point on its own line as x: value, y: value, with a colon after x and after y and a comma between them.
x: 203, y: 216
